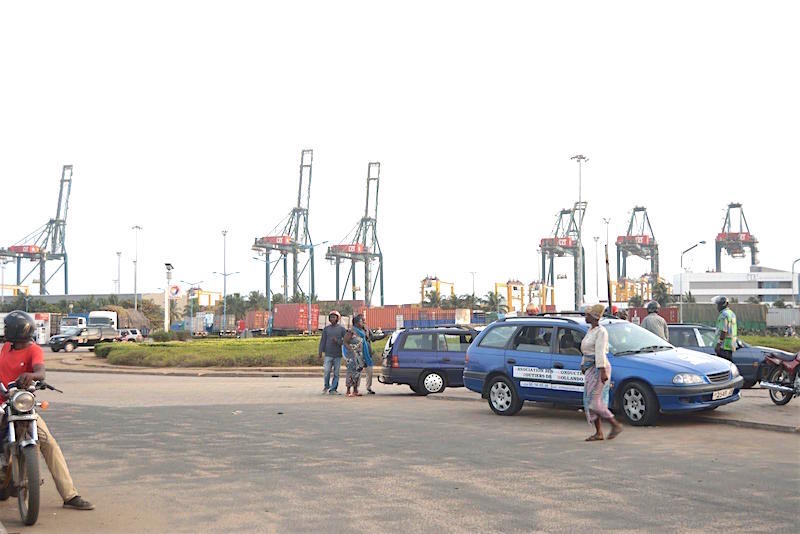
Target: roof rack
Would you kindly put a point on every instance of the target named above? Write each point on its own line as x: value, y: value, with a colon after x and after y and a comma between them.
x: 541, y: 316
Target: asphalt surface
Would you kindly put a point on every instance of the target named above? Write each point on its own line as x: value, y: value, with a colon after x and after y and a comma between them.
x: 186, y: 454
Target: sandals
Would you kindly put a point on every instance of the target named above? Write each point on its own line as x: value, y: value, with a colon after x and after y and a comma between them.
x: 615, y: 432
x: 594, y: 437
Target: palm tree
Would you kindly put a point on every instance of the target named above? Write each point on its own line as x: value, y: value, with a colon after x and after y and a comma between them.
x: 470, y: 301
x: 494, y: 302
x: 432, y: 299
x: 256, y: 301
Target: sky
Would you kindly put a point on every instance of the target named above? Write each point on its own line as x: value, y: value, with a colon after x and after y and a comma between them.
x: 188, y: 118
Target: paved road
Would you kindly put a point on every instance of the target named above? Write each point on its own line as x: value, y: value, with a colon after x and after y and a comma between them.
x: 273, y: 455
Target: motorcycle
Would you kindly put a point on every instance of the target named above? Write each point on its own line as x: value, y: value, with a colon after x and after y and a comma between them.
x: 19, y: 461
x: 782, y: 378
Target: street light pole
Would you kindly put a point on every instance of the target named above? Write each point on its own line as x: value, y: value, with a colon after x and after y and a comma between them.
x: 473, y: 287
x: 794, y: 293
x: 192, y: 287
x: 136, y: 229
x: 579, y: 275
x: 166, y: 296
x: 680, y: 300
x: 224, y: 279
x: 2, y: 281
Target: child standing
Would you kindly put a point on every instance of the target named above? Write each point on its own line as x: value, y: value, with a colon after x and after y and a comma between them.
x: 352, y: 352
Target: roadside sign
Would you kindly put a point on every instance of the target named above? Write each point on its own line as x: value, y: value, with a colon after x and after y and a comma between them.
x: 174, y: 292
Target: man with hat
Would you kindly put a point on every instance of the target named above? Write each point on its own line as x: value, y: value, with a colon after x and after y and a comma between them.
x: 331, y: 345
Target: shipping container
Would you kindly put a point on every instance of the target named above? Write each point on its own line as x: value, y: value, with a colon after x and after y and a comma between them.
x: 294, y: 317
x: 637, y: 315
x: 355, y: 248
x: 749, y: 317
x: 230, y: 323
x: 257, y: 320
x: 783, y: 317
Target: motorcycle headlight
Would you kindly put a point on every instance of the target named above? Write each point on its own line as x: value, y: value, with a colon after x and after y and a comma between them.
x: 687, y: 379
x: 734, y: 370
x: 23, y: 401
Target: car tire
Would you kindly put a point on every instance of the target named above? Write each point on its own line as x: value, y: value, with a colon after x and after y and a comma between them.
x: 414, y: 389
x: 503, y: 398
x: 638, y: 404
x: 52, y: 349
x: 748, y: 384
x: 69, y: 347
x: 430, y: 383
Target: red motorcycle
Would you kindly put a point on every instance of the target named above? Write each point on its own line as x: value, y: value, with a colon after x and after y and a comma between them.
x: 782, y: 378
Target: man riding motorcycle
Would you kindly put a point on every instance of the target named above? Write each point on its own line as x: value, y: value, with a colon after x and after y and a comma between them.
x: 22, y: 361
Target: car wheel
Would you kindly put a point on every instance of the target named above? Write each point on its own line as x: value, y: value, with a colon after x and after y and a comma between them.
x: 53, y: 349
x: 503, y: 398
x: 431, y: 382
x: 69, y: 347
x: 639, y: 404
x: 414, y: 389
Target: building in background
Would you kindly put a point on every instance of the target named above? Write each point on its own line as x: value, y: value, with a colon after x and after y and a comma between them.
x: 767, y: 285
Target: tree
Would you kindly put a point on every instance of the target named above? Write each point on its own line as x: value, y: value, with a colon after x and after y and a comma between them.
x: 661, y: 293
x: 452, y: 302
x: 470, y: 301
x: 256, y: 301
x: 779, y: 304
x: 495, y: 302
x: 153, y: 312
x: 636, y: 301
x: 688, y: 297
x: 753, y: 300
x: 432, y: 299
x: 236, y: 306
x: 277, y: 298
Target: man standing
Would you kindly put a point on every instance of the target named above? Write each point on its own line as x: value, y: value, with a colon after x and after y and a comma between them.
x: 362, y: 330
x: 654, y: 322
x: 727, y: 331
x: 331, y: 345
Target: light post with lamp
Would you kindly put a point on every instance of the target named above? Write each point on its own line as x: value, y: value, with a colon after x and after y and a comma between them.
x: 136, y: 230
x: 224, y: 274
x: 169, y: 268
x: 680, y: 300
x: 794, y: 293
x: 596, y: 269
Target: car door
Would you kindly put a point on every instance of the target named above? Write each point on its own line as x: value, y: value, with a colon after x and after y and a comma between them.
x: 452, y: 351
x: 687, y: 338
x: 419, y: 350
x: 529, y: 359
x: 567, y: 379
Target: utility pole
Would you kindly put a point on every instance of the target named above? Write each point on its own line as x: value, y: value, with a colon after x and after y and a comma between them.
x: 166, y: 296
x: 579, y: 272
x: 136, y: 229
x: 472, y: 304
x: 3, y: 262
x: 224, y: 279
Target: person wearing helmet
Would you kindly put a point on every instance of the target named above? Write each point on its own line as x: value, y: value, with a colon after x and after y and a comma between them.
x: 22, y: 361
x: 726, y: 333
x: 654, y: 322
x: 331, y: 345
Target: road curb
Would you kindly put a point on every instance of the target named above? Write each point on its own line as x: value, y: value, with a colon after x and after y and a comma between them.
x: 221, y: 374
x: 731, y: 422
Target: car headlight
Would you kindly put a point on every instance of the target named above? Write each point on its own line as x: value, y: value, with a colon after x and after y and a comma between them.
x: 687, y: 378
x: 23, y: 401
x: 734, y: 370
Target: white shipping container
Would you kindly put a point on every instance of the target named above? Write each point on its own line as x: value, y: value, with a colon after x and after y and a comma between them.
x: 782, y: 317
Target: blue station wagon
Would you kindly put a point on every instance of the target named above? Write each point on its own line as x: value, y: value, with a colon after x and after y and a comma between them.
x: 538, y: 359
x: 426, y: 359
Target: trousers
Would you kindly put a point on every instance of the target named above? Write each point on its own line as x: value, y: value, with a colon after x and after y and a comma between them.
x: 334, y: 364
x: 55, y: 461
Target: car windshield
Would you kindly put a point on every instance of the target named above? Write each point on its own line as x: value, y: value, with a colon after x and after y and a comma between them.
x: 628, y: 338
x: 71, y: 331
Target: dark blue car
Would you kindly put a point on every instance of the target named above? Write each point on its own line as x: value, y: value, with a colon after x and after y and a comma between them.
x: 749, y: 359
x: 538, y: 359
x: 426, y: 359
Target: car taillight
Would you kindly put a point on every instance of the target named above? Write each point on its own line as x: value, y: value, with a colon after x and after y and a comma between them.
x: 395, y: 362
x: 466, y: 358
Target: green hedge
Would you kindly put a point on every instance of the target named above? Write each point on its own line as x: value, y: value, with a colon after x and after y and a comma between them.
x: 265, y: 352
x: 789, y: 344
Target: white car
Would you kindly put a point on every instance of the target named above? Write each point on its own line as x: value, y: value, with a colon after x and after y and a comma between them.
x: 130, y: 334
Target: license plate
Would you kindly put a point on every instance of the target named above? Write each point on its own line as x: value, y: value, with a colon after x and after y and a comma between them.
x: 722, y: 394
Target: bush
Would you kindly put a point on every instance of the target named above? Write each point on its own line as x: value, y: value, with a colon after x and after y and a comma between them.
x: 181, y: 335
x: 160, y: 336
x: 101, y: 350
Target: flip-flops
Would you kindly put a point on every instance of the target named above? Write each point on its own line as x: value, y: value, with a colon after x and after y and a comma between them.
x: 594, y: 437
x: 615, y: 432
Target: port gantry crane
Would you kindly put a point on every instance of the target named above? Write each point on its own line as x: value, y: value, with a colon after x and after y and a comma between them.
x: 361, y: 245
x: 46, y: 243
x: 734, y: 240
x: 564, y: 242
x: 639, y: 241
x: 290, y: 237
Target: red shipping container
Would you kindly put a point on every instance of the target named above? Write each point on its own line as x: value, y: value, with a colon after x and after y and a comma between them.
x: 636, y: 315
x: 277, y: 239
x: 257, y: 320
x: 355, y: 248
x: 24, y: 249
x: 294, y: 317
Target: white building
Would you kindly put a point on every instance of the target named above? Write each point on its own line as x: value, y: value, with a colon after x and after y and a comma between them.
x: 768, y: 285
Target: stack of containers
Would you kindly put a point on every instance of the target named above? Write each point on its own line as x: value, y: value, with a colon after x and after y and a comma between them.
x: 294, y: 317
x: 257, y: 320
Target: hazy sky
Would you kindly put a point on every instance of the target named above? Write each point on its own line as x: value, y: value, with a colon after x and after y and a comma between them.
x: 189, y: 117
